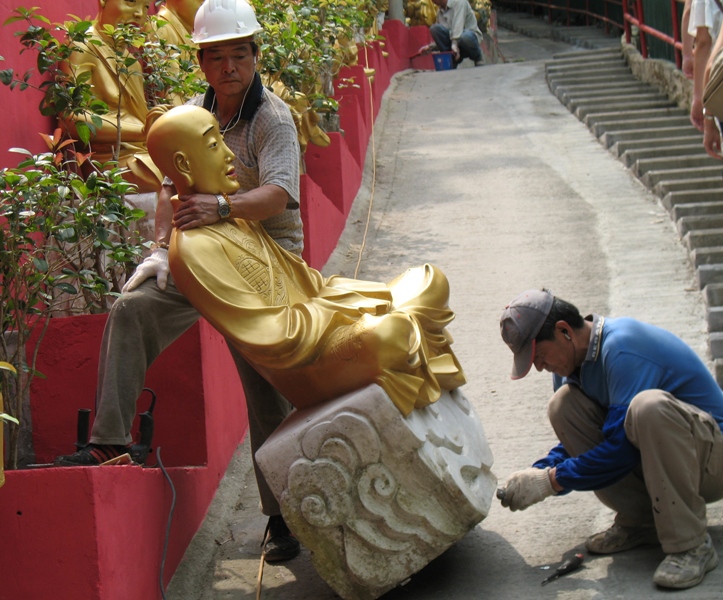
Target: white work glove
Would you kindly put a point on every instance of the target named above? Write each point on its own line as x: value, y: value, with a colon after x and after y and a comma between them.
x: 525, y: 488
x: 155, y: 265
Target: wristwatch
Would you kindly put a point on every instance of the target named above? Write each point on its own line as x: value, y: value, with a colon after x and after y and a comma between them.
x: 224, y: 208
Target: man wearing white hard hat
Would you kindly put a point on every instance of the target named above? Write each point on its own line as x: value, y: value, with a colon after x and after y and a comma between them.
x: 639, y: 419
x: 152, y: 313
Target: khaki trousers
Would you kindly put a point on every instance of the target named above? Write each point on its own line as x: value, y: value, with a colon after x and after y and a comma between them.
x: 142, y: 324
x: 681, y: 449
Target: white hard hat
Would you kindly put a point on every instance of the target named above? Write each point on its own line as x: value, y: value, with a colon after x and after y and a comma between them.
x: 220, y: 20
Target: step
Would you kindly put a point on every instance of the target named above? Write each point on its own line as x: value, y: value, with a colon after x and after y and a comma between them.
x: 703, y: 238
x: 554, y: 83
x: 698, y: 160
x: 609, y: 69
x: 640, y: 119
x: 612, y: 99
x: 707, y: 256
x: 586, y: 65
x: 577, y: 55
x: 699, y: 222
x: 707, y: 275
x: 713, y: 295
x: 589, y: 70
x: 611, y: 123
x: 655, y: 144
x: 612, y: 137
x: 698, y: 209
x: 715, y: 343
x: 708, y: 183
x: 572, y: 93
x: 670, y: 152
x: 622, y: 106
x: 606, y: 88
x: 653, y: 178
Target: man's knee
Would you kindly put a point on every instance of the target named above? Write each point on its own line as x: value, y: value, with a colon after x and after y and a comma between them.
x: 646, y: 405
x: 131, y: 306
x: 646, y: 409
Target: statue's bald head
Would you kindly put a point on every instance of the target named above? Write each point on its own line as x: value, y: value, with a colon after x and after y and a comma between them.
x: 187, y: 146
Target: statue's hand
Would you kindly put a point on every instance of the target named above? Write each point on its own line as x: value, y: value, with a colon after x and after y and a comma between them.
x: 155, y: 265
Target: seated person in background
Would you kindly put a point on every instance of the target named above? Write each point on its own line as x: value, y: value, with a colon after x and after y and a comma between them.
x: 121, y: 91
x: 456, y: 30
x: 313, y: 338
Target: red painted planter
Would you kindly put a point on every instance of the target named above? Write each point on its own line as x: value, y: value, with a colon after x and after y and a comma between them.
x: 323, y: 223
x: 335, y: 171
x: 97, y: 533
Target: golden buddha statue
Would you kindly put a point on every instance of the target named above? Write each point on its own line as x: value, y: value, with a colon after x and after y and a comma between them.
x: 122, y: 90
x: 178, y: 16
x: 313, y: 338
x: 421, y: 12
x: 305, y: 118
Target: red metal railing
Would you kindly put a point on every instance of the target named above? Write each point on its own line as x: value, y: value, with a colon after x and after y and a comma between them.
x: 632, y: 12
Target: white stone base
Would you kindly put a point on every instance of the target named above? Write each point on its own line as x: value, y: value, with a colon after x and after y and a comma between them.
x: 376, y: 496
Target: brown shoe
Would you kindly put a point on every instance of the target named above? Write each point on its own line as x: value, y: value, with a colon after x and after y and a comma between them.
x: 619, y: 539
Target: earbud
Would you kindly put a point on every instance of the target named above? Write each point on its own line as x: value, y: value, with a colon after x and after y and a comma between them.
x: 566, y: 334
x: 255, y: 59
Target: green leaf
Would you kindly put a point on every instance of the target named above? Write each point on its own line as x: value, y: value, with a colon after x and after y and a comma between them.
x: 83, y: 131
x: 40, y: 264
x: 7, y: 417
x: 66, y: 287
x: 21, y: 151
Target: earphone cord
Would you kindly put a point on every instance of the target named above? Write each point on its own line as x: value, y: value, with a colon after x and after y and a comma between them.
x: 233, y: 122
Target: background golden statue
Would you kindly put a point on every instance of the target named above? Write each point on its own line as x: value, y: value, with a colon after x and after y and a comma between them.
x: 120, y: 86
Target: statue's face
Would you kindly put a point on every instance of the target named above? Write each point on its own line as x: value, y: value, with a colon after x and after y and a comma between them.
x: 229, y: 66
x: 210, y: 159
x: 115, y: 12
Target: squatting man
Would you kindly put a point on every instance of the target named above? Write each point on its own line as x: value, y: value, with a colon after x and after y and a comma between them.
x: 639, y: 418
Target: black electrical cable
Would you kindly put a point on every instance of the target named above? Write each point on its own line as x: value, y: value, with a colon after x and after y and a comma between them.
x: 170, y: 518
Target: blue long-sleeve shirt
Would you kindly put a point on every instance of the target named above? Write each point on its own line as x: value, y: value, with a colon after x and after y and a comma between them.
x: 626, y: 357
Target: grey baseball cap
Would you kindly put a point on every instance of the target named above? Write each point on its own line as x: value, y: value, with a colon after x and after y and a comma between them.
x: 520, y: 323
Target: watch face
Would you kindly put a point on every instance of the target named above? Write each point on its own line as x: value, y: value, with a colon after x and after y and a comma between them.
x: 224, y: 210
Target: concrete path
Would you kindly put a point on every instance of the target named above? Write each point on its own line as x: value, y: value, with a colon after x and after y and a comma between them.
x: 483, y: 172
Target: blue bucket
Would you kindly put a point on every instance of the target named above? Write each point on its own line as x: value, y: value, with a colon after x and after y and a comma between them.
x: 443, y: 61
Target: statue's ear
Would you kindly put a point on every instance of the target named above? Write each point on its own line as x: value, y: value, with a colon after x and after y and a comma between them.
x: 183, y: 167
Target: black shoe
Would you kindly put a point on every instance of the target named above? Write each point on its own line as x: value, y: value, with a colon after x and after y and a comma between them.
x: 279, y: 543
x: 90, y: 456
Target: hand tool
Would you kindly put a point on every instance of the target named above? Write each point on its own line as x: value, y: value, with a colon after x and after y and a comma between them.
x: 570, y: 565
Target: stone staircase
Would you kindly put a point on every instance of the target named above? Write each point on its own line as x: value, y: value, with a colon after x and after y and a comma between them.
x: 653, y: 137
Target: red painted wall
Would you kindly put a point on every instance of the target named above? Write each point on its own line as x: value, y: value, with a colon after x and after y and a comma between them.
x: 21, y: 120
